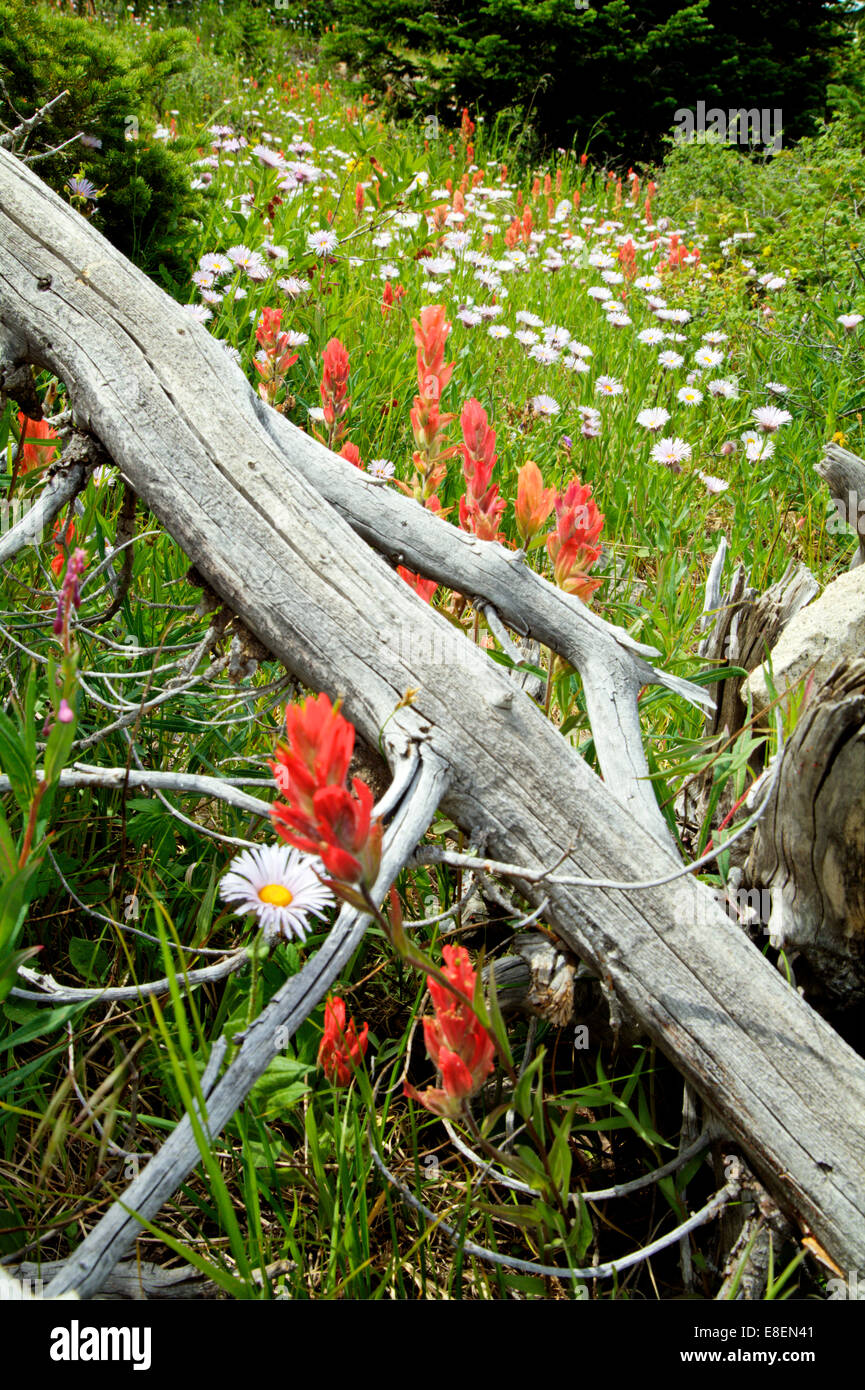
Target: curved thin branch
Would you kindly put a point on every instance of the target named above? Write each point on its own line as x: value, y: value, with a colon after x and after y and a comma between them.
x: 118, y: 778
x: 52, y: 993
x: 602, y: 1271
x: 602, y: 1194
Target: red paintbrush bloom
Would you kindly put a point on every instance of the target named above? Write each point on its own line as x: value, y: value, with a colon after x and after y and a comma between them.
x: 571, y: 546
x: 341, y: 1047
x: 349, y: 845
x: 534, y: 501
x: 38, y: 442
x: 318, y: 752
x: 427, y: 422
x: 456, y: 1040
x: 351, y: 453
x: 481, y: 508
x: 334, y: 387
x: 424, y: 588
x: 320, y: 815
x: 275, y: 357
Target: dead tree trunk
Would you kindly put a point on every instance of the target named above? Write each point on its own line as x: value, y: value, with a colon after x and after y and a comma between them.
x: 844, y: 474
x: 239, y: 490
x: 809, y: 848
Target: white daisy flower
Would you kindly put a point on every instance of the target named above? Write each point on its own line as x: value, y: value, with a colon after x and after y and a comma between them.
x: 670, y: 359
x: 689, y: 395
x: 281, y: 886
x: 293, y: 286
x: 777, y: 388
x: 556, y: 336
x: 757, y: 449
x: 380, y: 468
x: 652, y: 336
x: 322, y: 242
x: 714, y: 484
x: 544, y: 354
x: 499, y: 330
x: 653, y: 418
x: 708, y: 357
x: 671, y: 450
x: 545, y: 405
x: 530, y: 320
x: 722, y: 386
x: 771, y: 417
x: 608, y: 386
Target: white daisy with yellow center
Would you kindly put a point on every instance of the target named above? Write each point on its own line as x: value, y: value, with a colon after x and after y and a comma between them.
x: 281, y: 886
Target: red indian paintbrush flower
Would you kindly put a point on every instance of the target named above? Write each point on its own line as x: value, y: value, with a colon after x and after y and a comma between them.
x: 571, y: 546
x: 38, y: 442
x: 427, y: 422
x: 341, y: 1047
x: 351, y: 453
x: 274, y: 358
x: 534, y: 502
x: 334, y: 388
x: 481, y: 507
x: 424, y: 588
x: 320, y: 815
x: 456, y: 1040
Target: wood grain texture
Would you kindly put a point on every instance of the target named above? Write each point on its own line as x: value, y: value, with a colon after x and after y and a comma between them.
x: 184, y: 426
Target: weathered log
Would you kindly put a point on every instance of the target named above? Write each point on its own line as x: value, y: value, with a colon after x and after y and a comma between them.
x: 139, y: 1280
x: 844, y: 474
x: 809, y: 848
x: 741, y: 626
x: 746, y: 628
x: 199, y: 449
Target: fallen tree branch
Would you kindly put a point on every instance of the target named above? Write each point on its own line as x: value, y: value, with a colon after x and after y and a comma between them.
x: 121, y: 778
x: 66, y: 478
x: 844, y: 475
x: 52, y: 993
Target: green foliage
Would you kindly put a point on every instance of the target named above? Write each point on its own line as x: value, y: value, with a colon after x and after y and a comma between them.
x: 611, y: 75
x: 847, y: 92
x: 145, y: 202
x: 805, y: 203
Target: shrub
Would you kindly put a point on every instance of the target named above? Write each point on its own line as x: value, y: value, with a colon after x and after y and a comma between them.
x: 613, y: 73
x: 147, y: 203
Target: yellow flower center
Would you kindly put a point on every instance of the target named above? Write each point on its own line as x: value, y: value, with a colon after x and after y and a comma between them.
x: 276, y: 894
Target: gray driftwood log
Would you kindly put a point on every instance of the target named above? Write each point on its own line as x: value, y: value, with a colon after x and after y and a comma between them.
x: 279, y: 528
x: 809, y: 848
x: 844, y: 475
